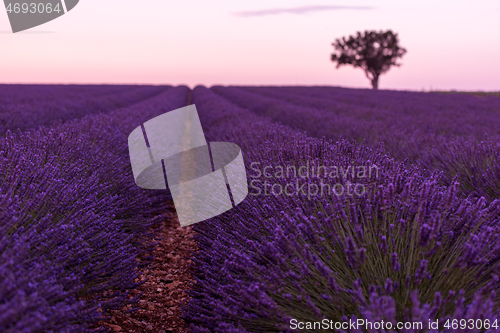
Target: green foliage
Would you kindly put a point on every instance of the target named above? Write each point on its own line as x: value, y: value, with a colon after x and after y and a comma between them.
x: 374, y: 52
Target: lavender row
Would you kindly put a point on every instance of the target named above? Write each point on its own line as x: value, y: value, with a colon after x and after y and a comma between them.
x: 432, y: 134
x: 400, y: 101
x: 406, y: 249
x: 434, y: 119
x: 443, y: 116
x: 453, y: 133
x: 22, y: 93
x: 406, y: 122
x: 73, y: 221
x: 32, y: 106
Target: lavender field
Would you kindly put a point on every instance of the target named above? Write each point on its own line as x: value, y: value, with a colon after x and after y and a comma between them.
x: 416, y: 240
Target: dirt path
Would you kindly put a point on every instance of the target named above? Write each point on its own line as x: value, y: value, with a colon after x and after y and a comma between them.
x: 165, y: 278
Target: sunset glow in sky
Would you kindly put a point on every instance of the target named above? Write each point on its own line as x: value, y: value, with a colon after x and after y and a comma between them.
x: 451, y: 44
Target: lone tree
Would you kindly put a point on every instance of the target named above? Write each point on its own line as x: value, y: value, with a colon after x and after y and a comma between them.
x: 374, y: 52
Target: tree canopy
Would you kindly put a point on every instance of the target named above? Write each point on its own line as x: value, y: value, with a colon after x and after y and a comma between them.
x: 374, y: 52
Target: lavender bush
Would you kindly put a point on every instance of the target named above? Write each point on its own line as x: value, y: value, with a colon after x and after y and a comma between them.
x: 474, y: 164
x: 73, y: 220
x: 408, y: 249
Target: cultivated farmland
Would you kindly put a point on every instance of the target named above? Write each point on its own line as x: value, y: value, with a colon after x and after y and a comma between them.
x: 380, y: 205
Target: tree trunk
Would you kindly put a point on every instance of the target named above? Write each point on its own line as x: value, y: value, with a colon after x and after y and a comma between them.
x: 375, y: 82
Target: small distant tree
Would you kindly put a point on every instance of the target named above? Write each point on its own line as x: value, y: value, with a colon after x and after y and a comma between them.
x: 374, y: 52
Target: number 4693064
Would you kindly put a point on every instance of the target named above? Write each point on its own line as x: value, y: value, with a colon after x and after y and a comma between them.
x: 470, y: 324
x: 33, y: 8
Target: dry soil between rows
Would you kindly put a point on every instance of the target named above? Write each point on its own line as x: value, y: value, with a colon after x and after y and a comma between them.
x: 166, y: 279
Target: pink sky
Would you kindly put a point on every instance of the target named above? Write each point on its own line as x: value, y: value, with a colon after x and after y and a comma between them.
x: 451, y: 45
